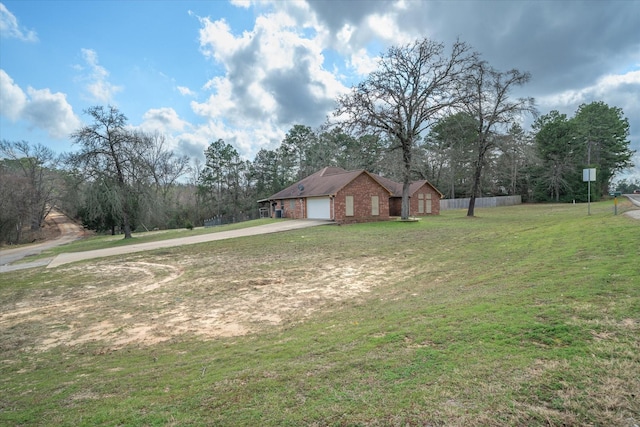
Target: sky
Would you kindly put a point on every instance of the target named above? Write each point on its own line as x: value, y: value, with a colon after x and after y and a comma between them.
x: 247, y: 71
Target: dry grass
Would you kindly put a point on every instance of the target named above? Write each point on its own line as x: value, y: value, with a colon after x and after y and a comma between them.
x: 144, y: 303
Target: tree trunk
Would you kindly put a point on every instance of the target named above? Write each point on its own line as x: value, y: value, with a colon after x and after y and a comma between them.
x: 406, y: 182
x: 18, y: 231
x: 127, y: 224
x: 476, y: 187
x: 514, y: 179
x: 35, y: 222
x: 125, y: 202
x: 452, y: 193
x: 405, y: 199
x: 126, y: 209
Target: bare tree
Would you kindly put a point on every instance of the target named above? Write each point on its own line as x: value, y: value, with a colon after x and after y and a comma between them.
x: 403, y: 97
x: 487, y: 100
x: 449, y: 142
x: 163, y: 165
x: 109, y: 150
x: 36, y: 164
x: 13, y: 207
x: 516, y: 157
x: 159, y: 172
x: 555, y: 175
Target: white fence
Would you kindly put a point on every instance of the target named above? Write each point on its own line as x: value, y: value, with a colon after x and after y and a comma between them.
x: 481, y: 202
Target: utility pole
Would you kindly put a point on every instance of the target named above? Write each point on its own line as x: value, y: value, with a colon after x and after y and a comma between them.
x: 589, y: 175
x: 589, y: 183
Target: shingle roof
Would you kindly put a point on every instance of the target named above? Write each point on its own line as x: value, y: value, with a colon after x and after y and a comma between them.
x: 325, y: 182
x: 396, y: 187
x: 328, y: 181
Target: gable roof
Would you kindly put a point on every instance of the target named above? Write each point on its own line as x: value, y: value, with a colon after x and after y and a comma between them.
x: 325, y: 182
x: 396, y: 187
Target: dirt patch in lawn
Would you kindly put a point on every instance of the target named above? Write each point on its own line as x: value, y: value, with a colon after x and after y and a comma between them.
x: 143, y: 303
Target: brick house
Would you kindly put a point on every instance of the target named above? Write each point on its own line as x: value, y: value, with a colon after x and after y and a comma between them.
x: 424, y: 198
x: 333, y: 194
x: 348, y: 197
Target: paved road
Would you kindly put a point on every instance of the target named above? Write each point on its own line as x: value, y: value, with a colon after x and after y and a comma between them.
x: 634, y: 198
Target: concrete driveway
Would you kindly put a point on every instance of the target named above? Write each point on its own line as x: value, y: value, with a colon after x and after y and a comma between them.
x: 276, y: 227
x: 12, y: 255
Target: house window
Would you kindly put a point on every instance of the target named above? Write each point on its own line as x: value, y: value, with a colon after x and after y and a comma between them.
x: 420, y: 203
x: 375, y: 206
x: 292, y: 204
x: 429, y: 203
x: 348, y: 206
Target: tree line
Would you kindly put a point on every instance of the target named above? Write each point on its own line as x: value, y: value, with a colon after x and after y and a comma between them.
x: 425, y: 113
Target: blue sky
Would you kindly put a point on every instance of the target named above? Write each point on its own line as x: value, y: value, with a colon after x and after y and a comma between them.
x: 247, y: 71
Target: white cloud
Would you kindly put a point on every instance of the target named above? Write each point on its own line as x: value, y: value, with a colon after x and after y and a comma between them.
x: 221, y: 103
x: 345, y: 34
x: 166, y: 122
x: 241, y: 3
x: 10, y: 28
x: 610, y: 81
x: 619, y: 90
x: 97, y: 86
x: 13, y: 99
x: 216, y: 40
x: 362, y: 63
x: 185, y: 91
x: 385, y: 27
x: 163, y: 120
x: 246, y: 140
x: 273, y: 79
x: 401, y: 5
x: 38, y: 107
x: 250, y: 138
x: 52, y: 112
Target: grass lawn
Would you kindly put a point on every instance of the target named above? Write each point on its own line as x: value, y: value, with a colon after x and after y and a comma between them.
x: 526, y: 315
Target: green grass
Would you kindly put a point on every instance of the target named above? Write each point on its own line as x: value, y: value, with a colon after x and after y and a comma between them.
x: 525, y: 315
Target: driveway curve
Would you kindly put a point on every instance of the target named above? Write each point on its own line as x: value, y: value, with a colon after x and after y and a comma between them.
x: 69, y: 231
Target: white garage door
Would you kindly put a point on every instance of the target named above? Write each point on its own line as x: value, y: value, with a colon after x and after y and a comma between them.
x: 318, y: 208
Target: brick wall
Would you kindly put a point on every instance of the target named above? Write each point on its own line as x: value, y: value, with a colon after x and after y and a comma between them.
x: 297, y: 212
x: 362, y: 189
x: 395, y: 204
x: 414, y: 208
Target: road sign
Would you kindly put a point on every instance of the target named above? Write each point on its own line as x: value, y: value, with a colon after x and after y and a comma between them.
x: 589, y: 175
